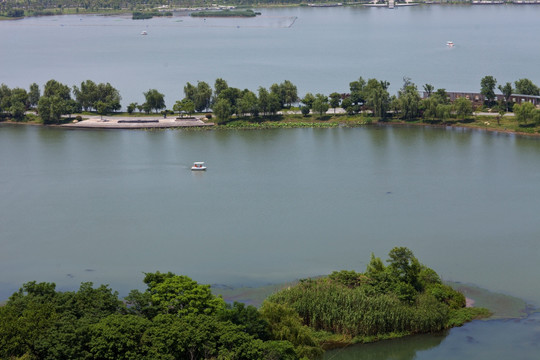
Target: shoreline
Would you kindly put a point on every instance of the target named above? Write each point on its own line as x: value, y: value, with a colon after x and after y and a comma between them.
x: 158, y: 122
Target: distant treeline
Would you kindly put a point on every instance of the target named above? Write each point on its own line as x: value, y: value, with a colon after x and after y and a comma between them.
x: 225, y: 13
x: 142, y: 15
x: 177, y: 318
x: 369, y: 98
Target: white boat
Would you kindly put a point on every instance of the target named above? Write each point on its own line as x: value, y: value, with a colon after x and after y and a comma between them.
x: 198, y: 166
x: 449, y: 44
x: 144, y: 32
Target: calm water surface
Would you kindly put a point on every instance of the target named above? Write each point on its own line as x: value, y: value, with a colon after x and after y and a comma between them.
x: 319, y: 50
x: 276, y: 205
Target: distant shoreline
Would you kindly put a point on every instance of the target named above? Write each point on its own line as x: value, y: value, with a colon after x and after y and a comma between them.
x: 157, y: 121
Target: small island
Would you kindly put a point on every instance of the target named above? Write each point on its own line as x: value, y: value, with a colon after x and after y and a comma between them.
x: 226, y: 13
x: 177, y: 318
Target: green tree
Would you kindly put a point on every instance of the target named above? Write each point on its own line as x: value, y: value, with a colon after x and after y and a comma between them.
x: 308, y: 100
x: 54, y: 102
x: 17, y: 111
x: 154, y: 100
x: 525, y: 113
x: 51, y: 109
x: 102, y: 108
x: 118, y: 337
x: 184, y: 106
x: 286, y: 93
x: 335, y: 99
x: 320, y: 105
x: 5, y: 98
x: 248, y: 318
x: 409, y: 101
x: 357, y: 95
x: 347, y: 105
x: 441, y: 97
x: 274, y: 104
x: 526, y: 87
x: 55, y: 88
x: 87, y: 95
x: 305, y: 110
x: 264, y: 100
x: 203, y: 96
x: 222, y: 110
x: 219, y: 86
x: 286, y: 324
x: 463, y: 107
x: 507, y: 93
x: 375, y: 266
x: 190, y: 91
x: 444, y: 111
x: 247, y: 104
x: 178, y: 294
x: 487, y: 88
x: 404, y: 265
x: 289, y: 93
x: 377, y: 97
x: 33, y: 95
x: 131, y: 107
x: 109, y: 95
x: 428, y: 88
x: 232, y: 95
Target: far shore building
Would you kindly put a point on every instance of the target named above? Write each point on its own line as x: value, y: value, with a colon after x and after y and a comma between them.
x: 478, y: 98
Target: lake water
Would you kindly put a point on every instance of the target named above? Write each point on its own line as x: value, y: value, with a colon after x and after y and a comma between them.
x: 319, y: 50
x: 276, y: 205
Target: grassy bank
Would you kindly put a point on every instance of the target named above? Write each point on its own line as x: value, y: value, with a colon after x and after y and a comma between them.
x: 225, y: 13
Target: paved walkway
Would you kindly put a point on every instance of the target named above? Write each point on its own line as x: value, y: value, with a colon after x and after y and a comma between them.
x: 125, y: 122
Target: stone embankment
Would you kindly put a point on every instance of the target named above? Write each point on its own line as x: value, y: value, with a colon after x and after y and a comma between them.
x: 136, y: 123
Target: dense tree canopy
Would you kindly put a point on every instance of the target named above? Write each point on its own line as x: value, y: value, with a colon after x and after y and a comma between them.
x: 487, y: 88
x: 526, y: 87
x: 174, y: 318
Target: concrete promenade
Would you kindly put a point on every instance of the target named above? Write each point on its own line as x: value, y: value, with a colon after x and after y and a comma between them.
x: 125, y: 122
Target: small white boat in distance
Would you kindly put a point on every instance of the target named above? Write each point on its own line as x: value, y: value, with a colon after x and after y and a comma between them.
x: 144, y: 32
x: 449, y: 44
x: 198, y: 166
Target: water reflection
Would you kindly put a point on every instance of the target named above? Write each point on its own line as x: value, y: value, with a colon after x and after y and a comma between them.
x: 398, y: 349
x: 479, y: 340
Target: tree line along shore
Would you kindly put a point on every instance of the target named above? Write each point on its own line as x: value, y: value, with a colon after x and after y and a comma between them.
x: 14, y: 9
x: 366, y: 102
x: 177, y: 318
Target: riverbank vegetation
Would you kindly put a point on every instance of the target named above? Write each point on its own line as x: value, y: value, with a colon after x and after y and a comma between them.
x: 225, y: 13
x: 14, y: 9
x: 386, y: 301
x: 177, y: 318
x: 143, y: 15
x: 366, y: 102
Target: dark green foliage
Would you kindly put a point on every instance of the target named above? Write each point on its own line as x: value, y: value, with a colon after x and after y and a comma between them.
x: 224, y: 13
x: 248, y: 318
x: 445, y: 294
x: 46, y: 324
x: 286, y: 325
x: 101, y: 97
x: 154, y: 100
x: 175, y: 318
